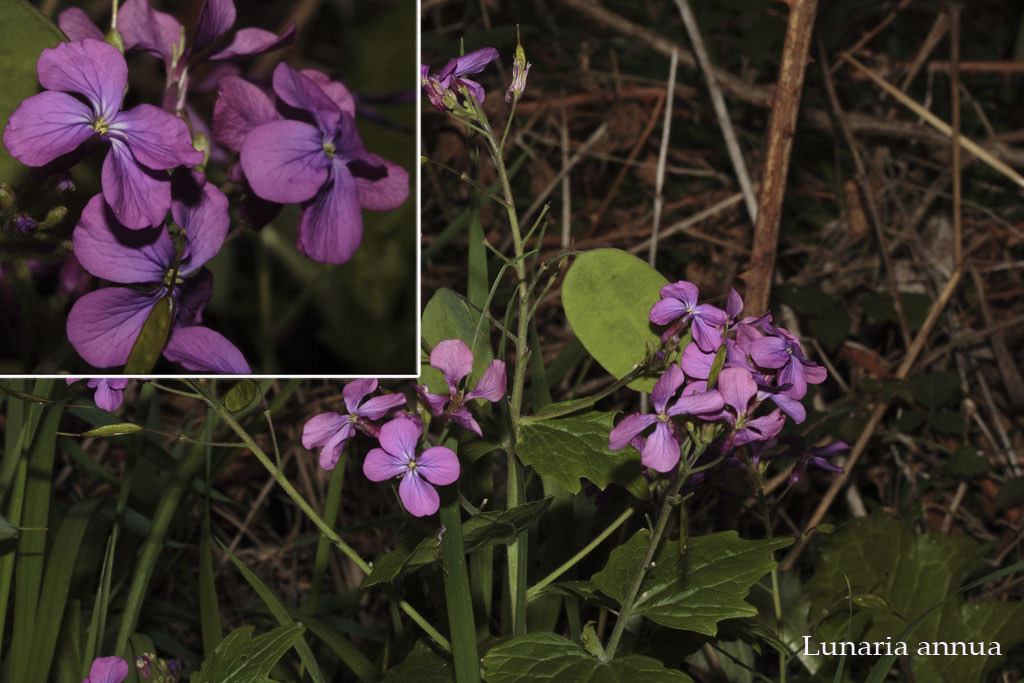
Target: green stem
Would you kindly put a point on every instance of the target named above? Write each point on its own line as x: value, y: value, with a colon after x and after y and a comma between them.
x: 457, y: 595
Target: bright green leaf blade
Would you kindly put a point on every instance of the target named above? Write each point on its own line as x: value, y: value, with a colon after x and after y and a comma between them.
x: 543, y: 657
x: 241, y: 658
x: 240, y: 395
x: 423, y: 665
x: 19, y: 51
x: 152, y: 339
x: 695, y: 590
x: 607, y: 295
x: 568, y: 448
x: 115, y: 429
x: 448, y: 316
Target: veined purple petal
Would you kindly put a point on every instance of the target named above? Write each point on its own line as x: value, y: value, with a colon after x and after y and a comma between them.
x: 661, y: 452
x: 138, y: 195
x: 385, y: 193
x: 158, y: 140
x: 491, y: 386
x: 686, y: 292
x: 319, y: 429
x: 333, y: 89
x: 400, y: 437
x: 379, y: 465
x: 733, y: 304
x: 108, y: 392
x: 144, y: 29
x: 454, y: 359
x: 241, y: 108
x: 761, y: 428
x: 77, y: 25
x: 355, y: 391
x: 707, y: 337
x: 378, y: 406
x: 331, y: 452
x: 697, y: 404
x: 666, y: 387
x: 435, y: 402
x: 666, y: 310
x: 476, y: 90
x: 770, y: 352
x: 201, y: 349
x: 792, y: 373
x: 253, y: 41
x: 737, y: 388
x: 205, y: 224
x: 471, y: 63
x: 47, y: 126
x: 624, y: 432
x: 215, y: 18
x: 814, y: 374
x: 285, y: 162
x: 108, y: 250
x: 103, y: 325
x: 107, y: 670
x: 299, y: 91
x: 91, y: 68
x: 418, y: 497
x: 696, y: 363
x: 464, y: 419
x: 331, y: 224
x: 438, y: 465
x: 193, y: 297
x: 790, y: 406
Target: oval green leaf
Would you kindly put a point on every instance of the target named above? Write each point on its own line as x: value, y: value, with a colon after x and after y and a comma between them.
x: 607, y: 296
x: 115, y: 429
x: 152, y: 339
x: 450, y: 316
x: 240, y: 395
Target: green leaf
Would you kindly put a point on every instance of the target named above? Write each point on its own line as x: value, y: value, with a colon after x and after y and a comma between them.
x: 479, y: 531
x: 966, y: 463
x: 568, y: 448
x: 543, y: 657
x: 19, y: 51
x: 933, y: 389
x: 831, y: 328
x: 912, y: 573
x: 695, y: 590
x: 152, y: 339
x: 607, y: 296
x: 806, y: 299
x: 1011, y: 494
x: 240, y: 658
x: 449, y: 316
x: 115, y: 429
x: 7, y: 530
x: 240, y: 396
x: 422, y: 665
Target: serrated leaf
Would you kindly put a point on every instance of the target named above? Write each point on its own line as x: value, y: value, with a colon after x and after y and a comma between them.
x: 115, y: 429
x: 240, y: 396
x: 913, y: 573
x: 241, y: 658
x: 544, y: 657
x: 568, y: 448
x: 479, y: 531
x: 152, y: 338
x: 449, y: 316
x: 423, y: 665
x: 607, y: 296
x: 695, y: 590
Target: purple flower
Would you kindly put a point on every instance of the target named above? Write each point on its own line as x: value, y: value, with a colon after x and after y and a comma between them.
x: 107, y: 670
x: 324, y: 166
x: 660, y: 452
x: 739, y: 392
x: 103, y: 325
x: 450, y: 77
x: 810, y: 456
x: 780, y: 349
x: 108, y: 391
x: 679, y: 301
x: 144, y: 140
x: 397, y: 458
x: 454, y: 359
x: 331, y: 430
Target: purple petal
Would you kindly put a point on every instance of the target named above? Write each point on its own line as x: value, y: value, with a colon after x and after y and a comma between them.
x: 733, y: 304
x: 696, y: 363
x: 454, y: 359
x: 698, y: 404
x: 666, y: 310
x: 205, y: 224
x: 737, y: 388
x: 193, y: 297
x: 400, y: 437
x: 380, y: 465
x: 661, y: 452
x: 253, y: 41
x: 77, y: 25
x: 770, y: 352
x: 299, y: 91
x: 686, y: 292
x: 143, y: 29
x: 331, y: 224
x: 378, y: 406
x: 464, y: 419
x: 107, y: 397
x: 355, y: 391
x: 241, y: 108
x: 761, y: 428
x: 284, y: 161
x: 438, y: 465
x: 107, y: 670
x: 333, y: 89
x: 103, y: 325
x: 201, y: 349
x: 47, y: 126
x: 666, y: 387
x: 215, y: 18
x: 91, y: 68
x: 491, y: 386
x: 706, y: 337
x: 792, y: 373
x: 331, y: 452
x: 814, y: 374
x: 108, y: 250
x: 625, y: 431
x: 435, y: 402
x: 383, y: 194
x: 158, y: 140
x: 418, y: 497
x: 139, y: 196
x: 475, y: 89
x: 472, y: 63
x: 319, y: 429
x: 790, y: 406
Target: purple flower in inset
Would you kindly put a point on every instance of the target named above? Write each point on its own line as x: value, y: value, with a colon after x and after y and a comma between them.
x: 679, y: 301
x: 108, y: 391
x: 144, y: 141
x: 739, y: 392
x: 450, y: 77
x: 660, y: 452
x: 325, y: 167
x: 454, y: 359
x: 331, y: 430
x: 107, y: 670
x: 780, y: 349
x: 810, y: 456
x: 397, y: 458
x: 103, y: 325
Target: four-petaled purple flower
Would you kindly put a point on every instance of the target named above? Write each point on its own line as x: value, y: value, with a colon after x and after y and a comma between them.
x: 397, y: 458
x: 107, y: 670
x: 144, y: 141
x: 454, y: 359
x: 781, y: 349
x: 103, y: 325
x: 331, y: 430
x: 739, y: 390
x: 108, y: 391
x: 450, y: 77
x: 679, y: 301
x: 660, y: 452
x: 810, y: 456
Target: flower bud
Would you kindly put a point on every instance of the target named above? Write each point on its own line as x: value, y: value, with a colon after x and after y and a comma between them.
x: 64, y: 184
x: 25, y: 222
x: 6, y: 197
x: 55, y: 216
x: 201, y: 143
x: 114, y: 38
x: 520, y: 67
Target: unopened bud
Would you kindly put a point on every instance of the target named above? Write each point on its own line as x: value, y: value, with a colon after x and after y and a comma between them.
x: 6, y: 197
x: 520, y: 67
x: 113, y: 37
x: 55, y: 216
x: 25, y: 223
x: 64, y: 184
x: 202, y: 144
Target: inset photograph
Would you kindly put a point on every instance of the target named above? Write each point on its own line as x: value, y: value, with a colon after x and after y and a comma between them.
x: 204, y: 187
